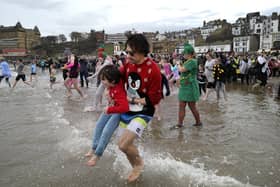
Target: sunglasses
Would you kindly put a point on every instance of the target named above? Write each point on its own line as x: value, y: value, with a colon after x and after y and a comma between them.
x: 131, y: 53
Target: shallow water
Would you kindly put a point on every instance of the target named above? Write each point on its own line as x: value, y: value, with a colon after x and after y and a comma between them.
x: 44, y: 135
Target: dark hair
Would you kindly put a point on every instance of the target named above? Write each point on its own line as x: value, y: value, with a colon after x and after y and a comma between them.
x: 111, y: 73
x: 75, y: 68
x: 138, y: 43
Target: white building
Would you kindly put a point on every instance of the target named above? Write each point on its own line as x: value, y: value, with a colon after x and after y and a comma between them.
x: 270, y: 32
x: 116, y: 38
x: 207, y: 30
x: 236, y: 29
x: 275, y: 36
x: 243, y: 44
x: 266, y: 41
x: 240, y: 27
x: 258, y: 28
x: 180, y: 48
x: 253, y: 18
x: 214, y: 48
x: 271, y: 23
x: 160, y: 37
x: 211, y: 26
x: 192, y: 42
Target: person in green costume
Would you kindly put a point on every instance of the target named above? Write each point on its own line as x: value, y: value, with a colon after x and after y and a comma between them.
x: 188, y: 91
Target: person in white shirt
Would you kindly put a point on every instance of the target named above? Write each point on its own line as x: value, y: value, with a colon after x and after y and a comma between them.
x: 210, y: 62
x: 244, y: 67
x: 263, y: 69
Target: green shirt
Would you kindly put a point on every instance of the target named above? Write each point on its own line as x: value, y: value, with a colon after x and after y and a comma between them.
x: 189, y: 90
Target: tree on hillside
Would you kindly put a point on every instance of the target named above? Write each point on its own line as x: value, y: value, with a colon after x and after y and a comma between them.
x: 89, y: 45
x: 62, y: 38
x: 221, y: 34
x: 49, y: 40
x: 127, y: 33
x: 92, y: 37
x: 75, y: 36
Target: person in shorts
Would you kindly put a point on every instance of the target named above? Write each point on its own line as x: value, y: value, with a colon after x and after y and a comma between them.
x: 20, y: 74
x: 143, y: 81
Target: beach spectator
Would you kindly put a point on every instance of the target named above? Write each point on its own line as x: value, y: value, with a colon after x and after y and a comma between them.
x: 210, y: 86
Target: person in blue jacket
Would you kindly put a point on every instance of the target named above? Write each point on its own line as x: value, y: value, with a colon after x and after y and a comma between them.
x: 6, y: 73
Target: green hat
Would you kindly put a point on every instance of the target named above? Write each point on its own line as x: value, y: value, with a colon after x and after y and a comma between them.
x: 188, y: 49
x: 104, y: 55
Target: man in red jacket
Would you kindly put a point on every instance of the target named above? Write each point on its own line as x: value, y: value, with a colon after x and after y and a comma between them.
x: 143, y: 81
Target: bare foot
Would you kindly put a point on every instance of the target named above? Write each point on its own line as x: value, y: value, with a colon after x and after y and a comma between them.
x: 93, y: 160
x: 69, y: 95
x: 89, y: 109
x: 89, y: 153
x: 136, y: 172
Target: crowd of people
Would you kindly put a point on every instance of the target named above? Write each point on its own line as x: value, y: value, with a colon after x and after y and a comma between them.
x: 135, y: 84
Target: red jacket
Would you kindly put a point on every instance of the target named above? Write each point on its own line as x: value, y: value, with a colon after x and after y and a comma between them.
x: 118, y: 95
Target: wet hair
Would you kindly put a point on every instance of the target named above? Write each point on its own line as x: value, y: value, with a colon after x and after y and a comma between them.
x: 111, y: 73
x: 138, y: 43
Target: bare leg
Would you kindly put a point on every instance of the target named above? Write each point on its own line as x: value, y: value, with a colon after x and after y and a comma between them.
x: 192, y: 106
x: 68, y: 87
x: 182, y: 112
x: 25, y: 82
x: 132, y: 154
x: 206, y: 94
x: 224, y: 91
x: 157, y: 111
x: 15, y: 83
x: 78, y: 89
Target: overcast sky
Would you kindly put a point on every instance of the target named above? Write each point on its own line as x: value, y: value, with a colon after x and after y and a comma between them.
x: 55, y: 17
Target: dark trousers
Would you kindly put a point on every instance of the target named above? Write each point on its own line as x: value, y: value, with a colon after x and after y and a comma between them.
x: 83, y: 75
x: 244, y: 76
x: 202, y: 87
x: 7, y: 80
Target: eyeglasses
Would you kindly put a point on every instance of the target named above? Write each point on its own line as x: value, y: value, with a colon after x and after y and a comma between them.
x: 131, y: 53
